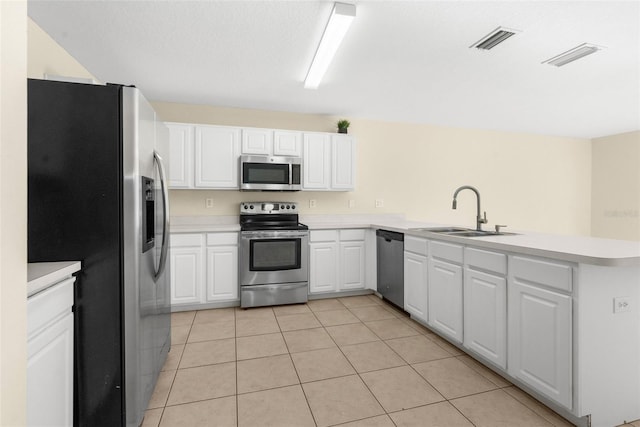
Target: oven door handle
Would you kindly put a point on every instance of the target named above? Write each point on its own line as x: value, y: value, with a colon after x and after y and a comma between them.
x: 270, y: 235
x: 279, y: 286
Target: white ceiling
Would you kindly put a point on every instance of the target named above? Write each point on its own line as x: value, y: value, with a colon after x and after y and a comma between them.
x: 406, y: 61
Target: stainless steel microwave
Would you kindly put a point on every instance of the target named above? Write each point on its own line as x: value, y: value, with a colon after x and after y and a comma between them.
x: 268, y: 173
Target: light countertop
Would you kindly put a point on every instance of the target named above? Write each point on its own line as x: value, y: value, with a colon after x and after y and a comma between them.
x: 580, y: 249
x: 41, y: 275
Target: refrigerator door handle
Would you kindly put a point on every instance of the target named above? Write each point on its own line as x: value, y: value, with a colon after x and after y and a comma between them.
x: 165, y: 214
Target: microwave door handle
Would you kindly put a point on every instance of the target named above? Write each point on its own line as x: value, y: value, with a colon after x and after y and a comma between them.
x: 290, y: 173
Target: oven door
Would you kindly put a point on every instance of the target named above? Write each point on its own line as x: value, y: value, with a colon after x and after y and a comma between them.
x: 273, y: 257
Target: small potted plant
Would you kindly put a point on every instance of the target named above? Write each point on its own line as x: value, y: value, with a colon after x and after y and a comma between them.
x: 343, y: 125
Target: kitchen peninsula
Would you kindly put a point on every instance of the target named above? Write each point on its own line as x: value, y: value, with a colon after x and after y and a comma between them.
x: 556, y: 315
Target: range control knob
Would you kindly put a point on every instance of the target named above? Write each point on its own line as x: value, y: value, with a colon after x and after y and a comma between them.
x: 281, y: 206
x: 250, y: 206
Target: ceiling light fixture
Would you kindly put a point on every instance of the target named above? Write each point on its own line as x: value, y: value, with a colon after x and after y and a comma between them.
x: 341, y: 17
x: 494, y: 38
x: 573, y: 54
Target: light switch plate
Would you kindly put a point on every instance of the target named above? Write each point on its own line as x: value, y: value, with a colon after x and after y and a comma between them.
x: 379, y: 203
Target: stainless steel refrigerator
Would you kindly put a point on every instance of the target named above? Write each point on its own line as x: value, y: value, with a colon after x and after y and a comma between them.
x: 98, y: 194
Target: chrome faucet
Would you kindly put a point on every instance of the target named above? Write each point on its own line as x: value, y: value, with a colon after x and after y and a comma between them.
x: 479, y: 220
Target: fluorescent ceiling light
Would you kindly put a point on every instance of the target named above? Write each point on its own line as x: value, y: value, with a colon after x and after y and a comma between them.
x: 341, y: 17
x: 494, y: 38
x: 573, y: 54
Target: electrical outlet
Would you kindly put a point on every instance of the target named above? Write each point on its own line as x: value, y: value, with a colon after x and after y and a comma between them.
x: 352, y: 203
x: 621, y: 304
x: 312, y: 203
x: 208, y: 203
x: 379, y: 203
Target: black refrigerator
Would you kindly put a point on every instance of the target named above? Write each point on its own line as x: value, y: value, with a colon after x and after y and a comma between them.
x: 98, y: 194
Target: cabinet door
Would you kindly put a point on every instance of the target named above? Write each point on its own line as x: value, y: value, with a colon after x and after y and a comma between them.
x: 216, y: 158
x: 287, y: 143
x: 540, y: 340
x: 180, y: 156
x: 186, y: 275
x: 445, y: 298
x: 415, y: 285
x: 316, y: 166
x: 257, y: 141
x: 343, y: 152
x: 50, y: 375
x: 222, y: 273
x: 352, y: 265
x: 485, y: 315
x: 323, y: 267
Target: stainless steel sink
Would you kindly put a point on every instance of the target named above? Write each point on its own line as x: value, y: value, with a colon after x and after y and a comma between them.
x: 462, y: 232
x: 441, y: 229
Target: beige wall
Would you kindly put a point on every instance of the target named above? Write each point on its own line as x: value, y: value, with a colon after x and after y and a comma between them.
x: 616, y: 186
x: 13, y: 212
x: 46, y: 56
x: 528, y: 182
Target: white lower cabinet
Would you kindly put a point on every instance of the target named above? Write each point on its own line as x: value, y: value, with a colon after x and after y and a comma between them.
x: 445, y: 289
x: 323, y: 271
x: 416, y: 266
x: 186, y: 268
x: 540, y: 350
x: 485, y: 305
x: 337, y: 260
x: 50, y: 356
x: 222, y: 267
x: 204, y: 268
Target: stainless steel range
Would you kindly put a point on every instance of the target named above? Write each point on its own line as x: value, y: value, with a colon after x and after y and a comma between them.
x: 274, y: 254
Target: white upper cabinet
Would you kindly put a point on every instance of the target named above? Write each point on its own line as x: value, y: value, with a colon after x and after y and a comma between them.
x: 257, y: 141
x: 316, y: 161
x: 343, y: 173
x: 287, y: 143
x: 180, y: 155
x: 206, y: 156
x: 270, y: 142
x: 216, y: 157
x: 328, y: 162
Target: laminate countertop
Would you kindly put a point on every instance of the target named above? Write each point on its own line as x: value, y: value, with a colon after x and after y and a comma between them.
x: 579, y: 249
x: 41, y: 275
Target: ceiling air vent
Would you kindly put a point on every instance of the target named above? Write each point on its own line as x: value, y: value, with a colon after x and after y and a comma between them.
x: 573, y: 54
x: 494, y: 38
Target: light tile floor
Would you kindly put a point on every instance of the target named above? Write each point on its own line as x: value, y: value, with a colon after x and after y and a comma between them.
x: 353, y: 361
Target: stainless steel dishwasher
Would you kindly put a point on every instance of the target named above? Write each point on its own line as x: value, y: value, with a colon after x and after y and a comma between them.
x: 390, y: 266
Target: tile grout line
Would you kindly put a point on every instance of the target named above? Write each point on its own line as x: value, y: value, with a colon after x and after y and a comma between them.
x: 235, y: 336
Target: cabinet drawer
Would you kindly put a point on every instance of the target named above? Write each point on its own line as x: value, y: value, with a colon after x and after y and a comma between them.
x: 541, y: 271
x: 323, y: 235
x: 182, y: 240
x: 346, y: 235
x: 415, y: 244
x: 447, y: 251
x: 222, y: 239
x: 485, y: 260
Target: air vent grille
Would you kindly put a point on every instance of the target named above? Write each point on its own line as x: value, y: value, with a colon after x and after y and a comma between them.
x: 494, y: 38
x: 573, y: 54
